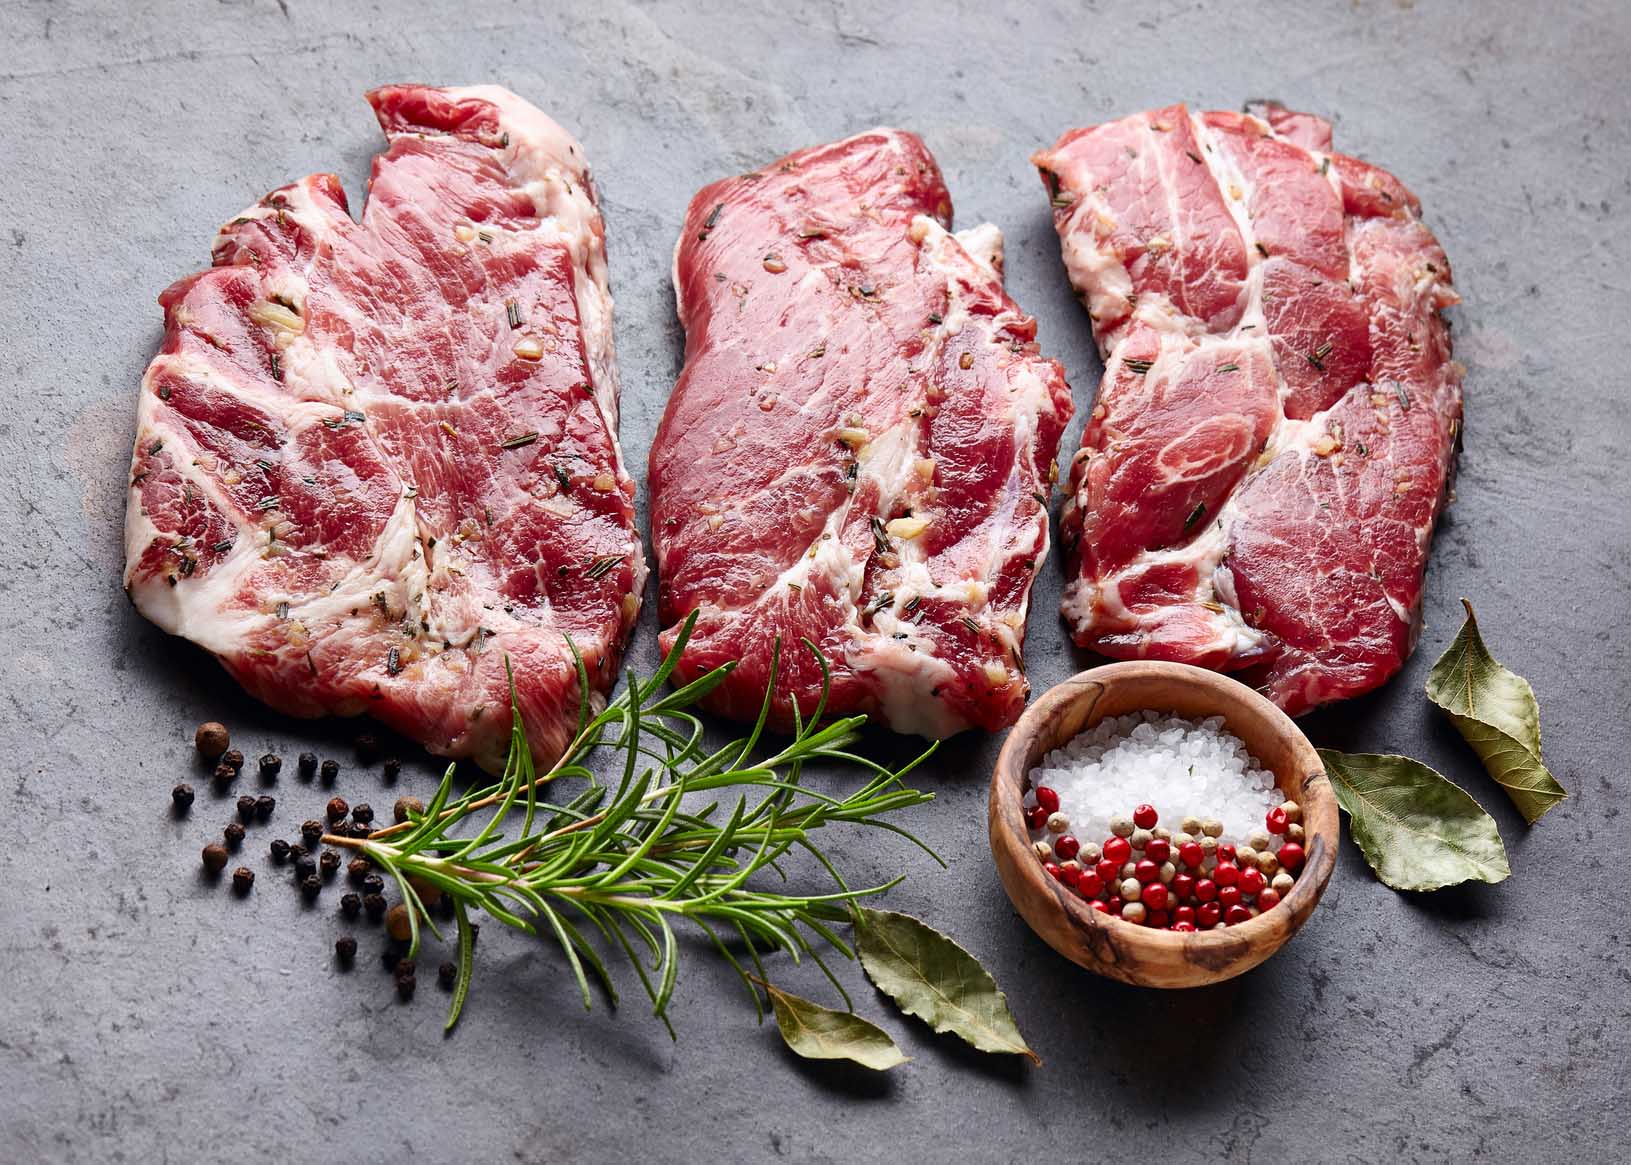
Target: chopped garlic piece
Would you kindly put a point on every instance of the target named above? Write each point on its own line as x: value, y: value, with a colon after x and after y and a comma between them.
x: 529, y: 349
x: 853, y: 435
x: 275, y: 315
x: 996, y: 673
x: 907, y: 527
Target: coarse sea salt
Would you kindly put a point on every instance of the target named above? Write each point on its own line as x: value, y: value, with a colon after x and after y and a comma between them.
x: 1185, y: 768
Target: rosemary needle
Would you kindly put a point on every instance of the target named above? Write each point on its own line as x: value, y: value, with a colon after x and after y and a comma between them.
x: 631, y: 859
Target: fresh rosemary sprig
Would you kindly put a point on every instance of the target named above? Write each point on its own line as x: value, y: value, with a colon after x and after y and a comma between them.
x: 632, y: 859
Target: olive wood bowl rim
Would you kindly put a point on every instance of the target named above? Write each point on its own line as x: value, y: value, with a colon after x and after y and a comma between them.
x: 1113, y: 946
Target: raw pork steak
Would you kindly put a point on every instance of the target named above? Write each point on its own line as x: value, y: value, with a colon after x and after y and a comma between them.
x: 1278, y: 421
x: 374, y: 461
x: 860, y: 447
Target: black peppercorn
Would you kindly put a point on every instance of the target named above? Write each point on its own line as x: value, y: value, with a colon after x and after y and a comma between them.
x: 242, y: 879
x: 446, y: 975
x: 329, y: 862
x: 330, y: 770
x: 224, y: 775
x: 373, y: 884
x: 357, y: 869
x: 306, y: 765
x: 215, y: 857
x: 405, y: 807
x: 362, y: 814
x: 345, y: 949
x: 374, y: 906
x: 311, y: 830
x: 264, y: 807
x: 297, y: 851
x: 404, y: 987
x: 367, y: 748
x: 211, y: 740
x: 393, y: 769
x: 389, y: 958
x: 182, y: 795
x: 405, y: 968
x: 337, y: 809
x: 234, y: 758
x: 350, y: 905
x: 234, y: 834
x: 305, y: 867
x: 280, y: 850
x: 246, y: 807
x: 310, y: 887
x: 271, y: 764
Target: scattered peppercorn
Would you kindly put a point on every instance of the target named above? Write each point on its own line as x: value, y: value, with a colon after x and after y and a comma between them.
x: 304, y: 867
x: 329, y: 862
x: 234, y: 834
x: 337, y: 808
x: 297, y: 851
x: 211, y: 739
x: 242, y: 879
x: 362, y: 813
x: 350, y: 905
x: 357, y: 869
x: 270, y: 765
x: 182, y: 796
x: 330, y: 770
x: 224, y: 775
x: 264, y: 807
x: 374, y: 906
x: 311, y: 830
x: 392, y: 770
x: 407, y: 807
x: 373, y: 884
x: 246, y: 807
x: 234, y: 758
x: 446, y: 975
x: 404, y: 987
x: 310, y: 887
x: 280, y: 850
x: 345, y: 949
x: 367, y: 746
x: 306, y: 765
x: 399, y: 923
x: 215, y: 857
x: 389, y: 958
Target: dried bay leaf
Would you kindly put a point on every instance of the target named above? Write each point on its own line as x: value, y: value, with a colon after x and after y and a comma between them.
x: 930, y: 976
x: 1495, y: 711
x: 820, y: 1033
x: 1417, y: 830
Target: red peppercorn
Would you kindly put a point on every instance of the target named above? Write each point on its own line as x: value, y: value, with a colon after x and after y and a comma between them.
x: 1226, y: 853
x: 1158, y: 850
x: 1067, y: 847
x: 1089, y: 884
x: 1183, y: 885
x: 1268, y: 899
x: 1106, y: 869
x: 1191, y: 854
x: 1277, y: 820
x: 1206, y: 889
x: 1236, y: 915
x: 1290, y: 855
x: 1054, y: 872
x: 1226, y: 874
x: 1251, y: 882
x: 1147, y: 871
x: 1046, y: 800
x: 1184, y: 914
x: 1118, y: 850
x: 1144, y: 817
x: 1208, y: 915
x: 1100, y: 905
x: 1228, y: 896
x: 1035, y: 817
x: 1157, y: 919
x: 1154, y: 896
x: 1184, y: 927
x: 1114, y: 905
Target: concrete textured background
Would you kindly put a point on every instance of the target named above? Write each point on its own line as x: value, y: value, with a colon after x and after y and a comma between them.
x: 150, y: 1016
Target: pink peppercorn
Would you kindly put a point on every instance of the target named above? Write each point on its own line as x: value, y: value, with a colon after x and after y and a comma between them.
x: 1115, y: 904
x: 1184, y: 914
x: 1158, y: 919
x: 1184, y: 927
x: 1277, y: 820
x: 1251, y: 881
x: 1107, y: 869
x: 1228, y: 896
x: 1118, y: 850
x: 1191, y: 854
x: 1035, y: 817
x: 1226, y: 853
x: 1226, y: 874
x: 1236, y: 915
x: 1054, y: 872
x: 1154, y: 896
x: 1158, y: 850
x: 1183, y: 886
x: 1047, y: 800
x: 1089, y: 884
x: 1268, y: 899
x: 1206, y: 889
x: 1067, y: 847
x: 1147, y: 872
x: 1100, y: 905
x: 1145, y: 817
x: 1208, y: 914
x: 1290, y: 855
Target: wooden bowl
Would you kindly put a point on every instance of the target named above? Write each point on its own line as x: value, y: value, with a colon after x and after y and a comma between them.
x: 1112, y: 946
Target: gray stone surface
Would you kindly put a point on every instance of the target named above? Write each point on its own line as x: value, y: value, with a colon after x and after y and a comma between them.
x: 146, y: 1014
